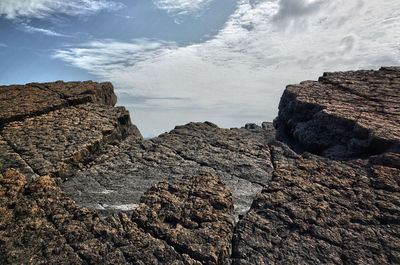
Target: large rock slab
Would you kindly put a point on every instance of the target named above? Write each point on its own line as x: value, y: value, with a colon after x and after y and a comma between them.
x: 119, y: 176
x: 51, y: 141
x: 20, y: 101
x: 319, y: 211
x: 39, y: 224
x: 344, y: 114
x: 53, y: 128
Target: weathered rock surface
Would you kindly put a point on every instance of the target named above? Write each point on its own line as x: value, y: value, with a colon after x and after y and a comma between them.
x: 195, y: 216
x: 10, y: 159
x: 339, y: 205
x: 321, y: 211
x: 318, y: 211
x: 49, y: 141
x: 39, y: 224
x: 54, y: 127
x: 122, y: 173
x: 344, y: 114
x: 20, y: 101
x: 263, y: 134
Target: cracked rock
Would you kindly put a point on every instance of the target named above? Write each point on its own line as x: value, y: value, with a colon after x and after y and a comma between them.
x: 195, y: 216
x: 122, y: 173
x: 40, y: 224
x: 20, y: 101
x: 344, y: 114
x: 318, y: 211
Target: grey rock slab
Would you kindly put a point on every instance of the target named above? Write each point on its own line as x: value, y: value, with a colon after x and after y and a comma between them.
x: 130, y: 168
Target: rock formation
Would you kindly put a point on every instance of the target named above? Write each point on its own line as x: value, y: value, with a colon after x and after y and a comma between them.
x: 121, y: 173
x: 53, y: 127
x: 78, y: 183
x: 344, y: 114
x: 41, y: 225
x: 321, y: 211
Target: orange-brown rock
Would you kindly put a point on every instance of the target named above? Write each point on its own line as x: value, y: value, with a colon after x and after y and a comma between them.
x: 339, y: 205
x: 195, y: 216
x: 51, y: 141
x: 40, y: 225
x: 52, y: 128
x: 319, y: 211
x: 20, y: 101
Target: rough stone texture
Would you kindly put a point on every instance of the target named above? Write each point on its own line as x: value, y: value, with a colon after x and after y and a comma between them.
x: 263, y: 134
x: 39, y: 224
x: 47, y: 141
x: 344, y: 114
x: 20, y: 101
x: 321, y: 211
x: 315, y: 210
x: 195, y: 216
x: 10, y: 159
x: 318, y: 211
x: 122, y: 173
x: 55, y: 127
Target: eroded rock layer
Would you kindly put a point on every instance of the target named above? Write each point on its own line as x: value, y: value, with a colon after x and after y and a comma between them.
x: 164, y: 200
x: 319, y: 211
x: 41, y: 225
x: 195, y: 216
x: 52, y: 128
x: 344, y: 114
x: 20, y: 101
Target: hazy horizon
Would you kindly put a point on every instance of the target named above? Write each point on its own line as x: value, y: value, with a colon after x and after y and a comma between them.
x: 177, y: 61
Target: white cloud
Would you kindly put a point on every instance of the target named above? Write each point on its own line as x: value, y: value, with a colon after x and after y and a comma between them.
x: 12, y: 9
x: 30, y: 29
x: 3, y: 45
x: 181, y: 6
x: 239, y: 75
x: 104, y: 57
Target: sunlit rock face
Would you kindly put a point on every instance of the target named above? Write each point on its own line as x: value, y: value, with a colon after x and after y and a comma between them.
x: 54, y: 127
x: 79, y: 184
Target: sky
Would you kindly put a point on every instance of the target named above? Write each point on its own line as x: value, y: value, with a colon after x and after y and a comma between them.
x: 177, y: 61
